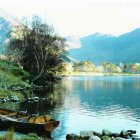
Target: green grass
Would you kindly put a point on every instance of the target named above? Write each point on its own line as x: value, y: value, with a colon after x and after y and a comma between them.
x: 9, y: 135
x: 12, y: 74
x: 30, y: 136
x: 8, y: 93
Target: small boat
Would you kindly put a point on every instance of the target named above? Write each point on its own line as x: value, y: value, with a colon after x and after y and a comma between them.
x: 20, y: 122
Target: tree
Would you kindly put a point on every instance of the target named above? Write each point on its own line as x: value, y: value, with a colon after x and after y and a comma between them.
x: 84, y: 66
x: 109, y: 68
x: 41, y: 50
x: 132, y: 68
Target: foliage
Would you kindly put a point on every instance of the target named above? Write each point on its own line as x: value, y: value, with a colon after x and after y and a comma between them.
x: 12, y: 74
x: 20, y: 72
x: 8, y: 93
x: 109, y: 67
x: 131, y: 68
x: 105, y: 67
x: 9, y: 79
x: 41, y: 51
x: 30, y: 136
x: 84, y: 66
x: 9, y: 135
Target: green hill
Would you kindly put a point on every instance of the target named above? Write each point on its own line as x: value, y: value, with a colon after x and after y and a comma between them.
x: 12, y: 79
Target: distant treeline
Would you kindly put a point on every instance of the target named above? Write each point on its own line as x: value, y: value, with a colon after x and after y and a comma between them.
x: 105, y: 67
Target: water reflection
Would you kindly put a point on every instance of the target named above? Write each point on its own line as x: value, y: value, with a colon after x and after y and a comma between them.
x: 102, y: 102
x: 90, y: 103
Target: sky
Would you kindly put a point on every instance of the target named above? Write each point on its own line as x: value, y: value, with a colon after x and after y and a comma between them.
x: 80, y: 17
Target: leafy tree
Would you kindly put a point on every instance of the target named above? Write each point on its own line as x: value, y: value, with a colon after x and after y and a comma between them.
x: 135, y: 68
x: 39, y: 50
x: 132, y: 68
x: 109, y: 68
x: 84, y: 66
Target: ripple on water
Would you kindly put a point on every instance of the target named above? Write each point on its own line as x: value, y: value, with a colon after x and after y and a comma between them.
x: 94, y: 103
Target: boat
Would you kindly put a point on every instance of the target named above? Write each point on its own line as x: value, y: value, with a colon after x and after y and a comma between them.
x: 20, y: 122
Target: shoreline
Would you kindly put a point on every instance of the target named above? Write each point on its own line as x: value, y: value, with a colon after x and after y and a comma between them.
x: 104, y: 135
x: 100, y: 74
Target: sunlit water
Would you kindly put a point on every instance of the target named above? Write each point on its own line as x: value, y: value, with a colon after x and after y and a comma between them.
x: 92, y: 103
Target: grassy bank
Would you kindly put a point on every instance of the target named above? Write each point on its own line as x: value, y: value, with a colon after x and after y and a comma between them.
x: 11, y: 73
x: 12, y: 78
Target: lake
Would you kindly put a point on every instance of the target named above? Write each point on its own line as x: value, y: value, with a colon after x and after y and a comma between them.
x: 91, y: 103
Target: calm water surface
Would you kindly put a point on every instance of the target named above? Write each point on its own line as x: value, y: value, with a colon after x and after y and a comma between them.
x: 92, y: 103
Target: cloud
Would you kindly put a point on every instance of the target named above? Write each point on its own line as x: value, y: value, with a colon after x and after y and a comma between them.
x: 80, y: 17
x: 73, y: 42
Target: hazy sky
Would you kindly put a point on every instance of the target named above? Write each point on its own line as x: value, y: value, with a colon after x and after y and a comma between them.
x: 80, y: 17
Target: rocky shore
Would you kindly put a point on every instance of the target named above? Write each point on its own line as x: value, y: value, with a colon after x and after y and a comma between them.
x: 105, y: 135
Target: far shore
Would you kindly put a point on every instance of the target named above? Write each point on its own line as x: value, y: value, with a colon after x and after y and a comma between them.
x: 98, y: 74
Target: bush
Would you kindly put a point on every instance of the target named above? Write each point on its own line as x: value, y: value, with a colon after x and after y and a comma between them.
x: 20, y: 72
x: 8, y: 93
x: 31, y: 136
x: 9, y: 135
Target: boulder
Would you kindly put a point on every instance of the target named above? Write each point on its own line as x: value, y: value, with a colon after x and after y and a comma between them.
x: 105, y: 138
x: 119, y: 138
x: 132, y: 131
x: 94, y: 138
x: 115, y: 135
x: 71, y: 137
x: 97, y: 134
x: 86, y: 133
x: 106, y: 132
x: 125, y: 134
x: 135, y: 137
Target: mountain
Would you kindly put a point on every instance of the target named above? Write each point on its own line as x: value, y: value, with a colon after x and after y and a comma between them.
x: 99, y: 48
x: 13, y: 21
x: 7, y: 23
x: 5, y: 28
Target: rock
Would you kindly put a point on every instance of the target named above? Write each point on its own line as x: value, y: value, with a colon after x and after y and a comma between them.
x: 119, y: 138
x: 14, y: 99
x: 86, y: 133
x: 125, y: 134
x: 36, y: 98
x: 97, y: 134
x: 132, y: 131
x: 106, y: 132
x: 105, y: 138
x: 115, y: 135
x: 94, y: 138
x: 71, y: 137
x: 2, y: 100
x: 135, y: 137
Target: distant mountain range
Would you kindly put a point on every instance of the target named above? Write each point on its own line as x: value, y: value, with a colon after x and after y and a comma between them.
x: 99, y: 48
x: 5, y: 28
x: 7, y: 22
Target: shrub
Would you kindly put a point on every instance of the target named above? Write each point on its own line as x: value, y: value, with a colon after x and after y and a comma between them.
x: 31, y: 136
x: 9, y: 135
